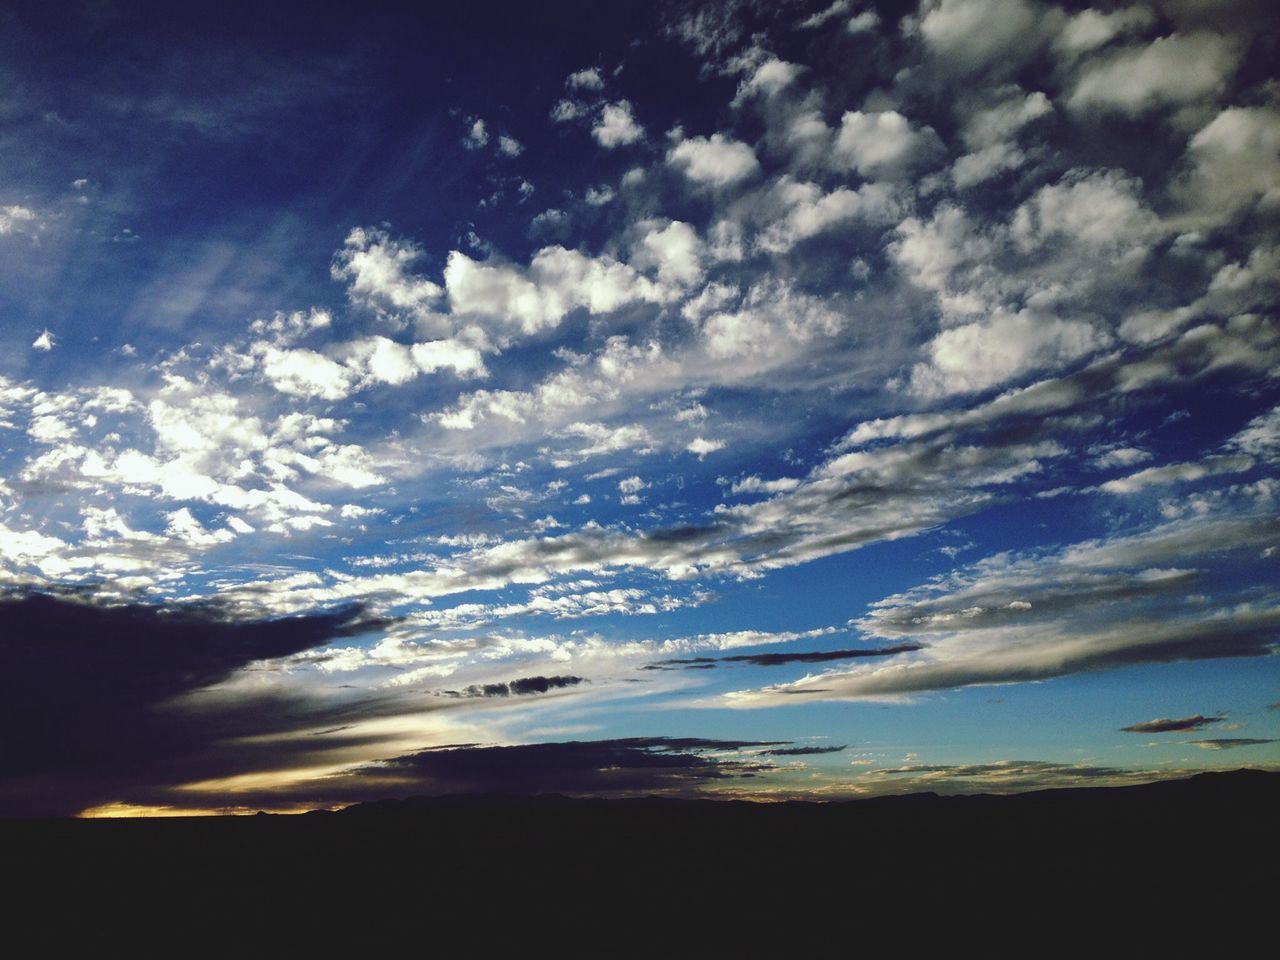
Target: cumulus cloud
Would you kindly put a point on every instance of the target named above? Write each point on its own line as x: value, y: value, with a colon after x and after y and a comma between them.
x: 805, y: 211
x: 990, y: 134
x: 715, y: 161
x: 477, y: 135
x: 978, y: 356
x: 43, y: 342
x: 674, y: 251
x: 586, y: 79
x: 515, y: 301
x: 766, y: 80
x: 884, y: 145
x: 1100, y: 209
x: 865, y: 22
x: 1235, y: 161
x: 377, y: 270
x: 617, y: 126
x: 971, y: 37
x: 1169, y: 71
x: 1090, y: 29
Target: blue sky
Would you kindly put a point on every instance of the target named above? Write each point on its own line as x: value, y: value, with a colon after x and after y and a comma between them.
x: 786, y: 399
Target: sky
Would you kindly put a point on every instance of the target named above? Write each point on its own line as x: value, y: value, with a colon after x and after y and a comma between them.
x: 764, y: 400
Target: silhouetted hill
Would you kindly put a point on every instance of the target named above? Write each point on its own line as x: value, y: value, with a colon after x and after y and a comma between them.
x: 1158, y: 859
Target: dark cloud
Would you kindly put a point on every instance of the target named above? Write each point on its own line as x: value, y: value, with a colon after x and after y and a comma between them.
x: 804, y: 751
x: 1230, y: 743
x: 85, y: 685
x: 821, y: 656
x: 600, y: 767
x: 1165, y: 725
x: 516, y: 688
x: 779, y: 659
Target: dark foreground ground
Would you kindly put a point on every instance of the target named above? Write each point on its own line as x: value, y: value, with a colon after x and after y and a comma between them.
x: 1144, y: 870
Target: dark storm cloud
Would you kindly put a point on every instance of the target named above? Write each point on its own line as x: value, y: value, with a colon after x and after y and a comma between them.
x: 83, y: 684
x: 627, y: 765
x: 779, y: 659
x: 516, y: 688
x: 1165, y: 725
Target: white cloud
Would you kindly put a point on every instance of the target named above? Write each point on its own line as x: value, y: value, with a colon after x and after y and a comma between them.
x: 433, y: 355
x: 973, y: 36
x: 586, y: 79
x: 44, y: 342
x: 601, y: 439
x: 772, y: 322
x: 566, y: 110
x: 1169, y: 71
x: 1235, y: 161
x: 1091, y: 29
x: 864, y: 22
x: 283, y: 328
x: 766, y: 80
x: 997, y: 123
x: 838, y: 8
x: 674, y: 251
x: 981, y: 355
x: 556, y: 281
x: 702, y: 446
x: 989, y: 134
x: 617, y: 126
x: 1100, y: 209
x: 376, y: 268
x: 383, y: 360
x: 509, y: 146
x: 710, y: 298
x: 1179, y: 473
x: 1093, y: 605
x: 630, y: 488
x: 754, y: 484
x: 14, y: 218
x: 807, y: 211
x: 1260, y: 436
x: 988, y: 162
x: 715, y: 161
x: 884, y: 145
x: 1120, y: 457
x: 930, y: 252
x: 598, y: 196
x: 185, y: 527
x: 477, y: 135
x: 725, y: 241
x: 305, y: 373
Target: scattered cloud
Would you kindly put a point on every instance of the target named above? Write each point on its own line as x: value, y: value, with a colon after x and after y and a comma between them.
x: 1165, y: 725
